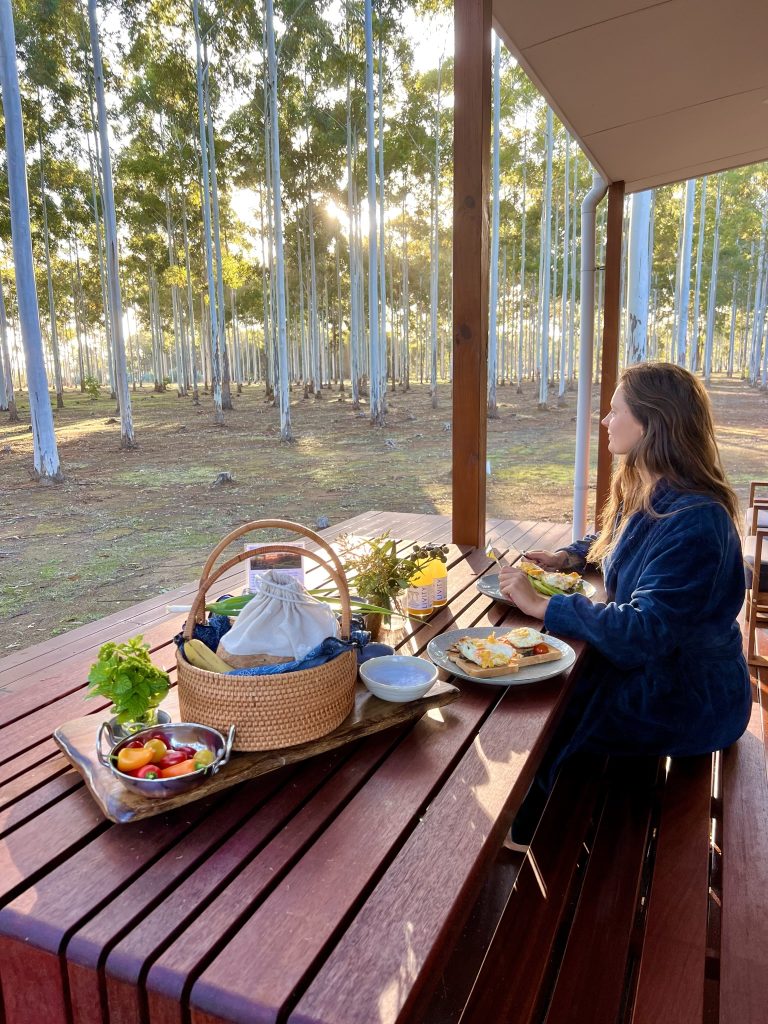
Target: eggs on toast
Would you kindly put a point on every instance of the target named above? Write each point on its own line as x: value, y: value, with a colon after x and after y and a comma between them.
x: 492, y: 656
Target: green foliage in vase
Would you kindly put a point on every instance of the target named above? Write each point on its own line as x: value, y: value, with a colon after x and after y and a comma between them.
x: 125, y: 675
x: 379, y: 572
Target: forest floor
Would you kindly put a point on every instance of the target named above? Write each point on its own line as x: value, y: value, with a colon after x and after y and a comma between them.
x: 124, y: 526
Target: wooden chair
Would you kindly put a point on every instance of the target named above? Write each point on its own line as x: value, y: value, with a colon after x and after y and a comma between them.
x: 756, y: 560
x: 757, y: 514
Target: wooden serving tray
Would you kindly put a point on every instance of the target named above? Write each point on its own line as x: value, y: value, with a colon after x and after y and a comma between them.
x: 77, y: 740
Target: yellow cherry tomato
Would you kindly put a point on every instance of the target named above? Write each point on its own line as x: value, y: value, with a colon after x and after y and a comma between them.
x: 203, y: 758
x: 158, y: 749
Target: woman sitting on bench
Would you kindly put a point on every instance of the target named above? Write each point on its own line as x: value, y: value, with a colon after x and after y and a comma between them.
x: 667, y: 675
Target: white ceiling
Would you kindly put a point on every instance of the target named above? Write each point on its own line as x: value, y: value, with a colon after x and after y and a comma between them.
x: 655, y: 91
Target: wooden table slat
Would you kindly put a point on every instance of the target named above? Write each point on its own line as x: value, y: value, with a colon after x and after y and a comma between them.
x: 671, y: 981
x: 744, y: 935
x: 591, y: 979
x: 170, y: 974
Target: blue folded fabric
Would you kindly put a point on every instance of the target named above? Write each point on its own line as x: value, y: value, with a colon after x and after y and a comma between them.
x: 209, y: 632
x: 325, y: 651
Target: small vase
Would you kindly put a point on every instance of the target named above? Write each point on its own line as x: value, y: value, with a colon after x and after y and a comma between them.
x: 377, y: 623
x: 122, y: 730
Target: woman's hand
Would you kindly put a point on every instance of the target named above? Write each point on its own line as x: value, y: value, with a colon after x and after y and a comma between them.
x: 552, y: 560
x: 514, y: 584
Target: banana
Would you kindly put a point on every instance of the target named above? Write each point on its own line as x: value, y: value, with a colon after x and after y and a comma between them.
x: 197, y: 654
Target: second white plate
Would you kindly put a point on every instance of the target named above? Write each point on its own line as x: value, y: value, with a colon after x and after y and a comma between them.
x: 489, y: 585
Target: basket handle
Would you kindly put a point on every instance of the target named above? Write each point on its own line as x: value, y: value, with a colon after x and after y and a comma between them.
x: 197, y: 614
x: 270, y: 524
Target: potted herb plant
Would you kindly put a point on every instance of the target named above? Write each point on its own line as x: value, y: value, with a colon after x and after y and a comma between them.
x: 124, y: 674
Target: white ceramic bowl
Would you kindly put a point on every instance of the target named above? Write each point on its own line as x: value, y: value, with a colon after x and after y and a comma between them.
x: 398, y: 677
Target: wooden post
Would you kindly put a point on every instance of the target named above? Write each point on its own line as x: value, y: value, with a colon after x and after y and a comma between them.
x: 610, y: 347
x: 471, y: 157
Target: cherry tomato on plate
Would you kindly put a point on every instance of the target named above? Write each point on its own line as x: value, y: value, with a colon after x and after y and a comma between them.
x: 541, y: 649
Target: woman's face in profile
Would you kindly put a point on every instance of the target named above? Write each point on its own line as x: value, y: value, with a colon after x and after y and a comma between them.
x: 624, y: 431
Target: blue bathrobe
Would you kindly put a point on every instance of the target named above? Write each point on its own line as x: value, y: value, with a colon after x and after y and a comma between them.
x: 667, y: 674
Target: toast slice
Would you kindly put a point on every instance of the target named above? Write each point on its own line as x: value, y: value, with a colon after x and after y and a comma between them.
x: 522, y: 661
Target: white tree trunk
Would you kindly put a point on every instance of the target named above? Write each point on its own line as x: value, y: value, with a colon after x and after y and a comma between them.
x: 354, y: 313
x: 695, y: 331
x: 314, y: 327
x: 566, y: 243
x: 226, y: 396
x: 9, y: 401
x: 282, y: 346
x: 493, y: 343
x: 49, y: 275
x: 435, y: 264
x: 546, y: 262
x: 127, y: 438
x: 732, y: 338
x: 639, y: 278
x: 524, y: 218
x: 574, y: 236
x: 46, y: 456
x: 685, y: 272
x: 377, y: 413
x: 216, y: 360
x: 712, y: 300
x: 382, y: 228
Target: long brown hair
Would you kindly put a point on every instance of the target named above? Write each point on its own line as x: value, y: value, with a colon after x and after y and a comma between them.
x: 678, y: 445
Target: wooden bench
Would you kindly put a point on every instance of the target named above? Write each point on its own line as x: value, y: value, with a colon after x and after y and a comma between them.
x: 643, y: 899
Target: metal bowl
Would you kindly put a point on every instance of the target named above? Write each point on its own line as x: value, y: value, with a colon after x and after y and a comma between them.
x: 180, y: 734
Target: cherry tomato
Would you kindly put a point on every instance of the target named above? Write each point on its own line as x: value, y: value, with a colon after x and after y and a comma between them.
x: 172, y: 757
x: 158, y: 748
x: 203, y: 758
x: 134, y: 745
x: 149, y: 771
x: 541, y: 649
x: 174, y: 770
x: 187, y: 751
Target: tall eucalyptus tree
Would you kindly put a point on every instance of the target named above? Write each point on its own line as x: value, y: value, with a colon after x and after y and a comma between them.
x: 127, y: 437
x: 694, y: 354
x: 493, y: 344
x: 639, y: 277
x: 546, y: 266
x: 684, y: 273
x: 286, y: 433
x: 712, y: 299
x: 9, y: 398
x: 376, y: 398
x: 45, y: 453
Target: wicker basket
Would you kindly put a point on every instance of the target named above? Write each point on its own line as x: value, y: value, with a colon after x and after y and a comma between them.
x: 273, y: 711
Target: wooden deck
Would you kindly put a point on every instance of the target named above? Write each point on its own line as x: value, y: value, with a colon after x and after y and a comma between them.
x: 329, y: 891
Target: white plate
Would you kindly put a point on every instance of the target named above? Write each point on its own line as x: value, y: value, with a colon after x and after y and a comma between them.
x: 437, y: 650
x: 489, y: 585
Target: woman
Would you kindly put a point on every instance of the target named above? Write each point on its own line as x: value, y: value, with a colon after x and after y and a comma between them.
x: 667, y: 675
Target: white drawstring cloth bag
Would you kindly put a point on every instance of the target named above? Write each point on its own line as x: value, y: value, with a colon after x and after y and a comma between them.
x: 282, y: 622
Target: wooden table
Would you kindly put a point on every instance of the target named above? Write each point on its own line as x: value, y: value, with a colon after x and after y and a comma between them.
x: 331, y: 891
